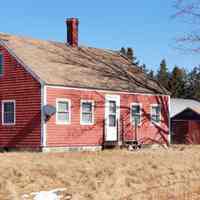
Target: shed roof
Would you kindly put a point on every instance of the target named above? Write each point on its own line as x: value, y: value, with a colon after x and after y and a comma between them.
x: 180, y: 105
x: 58, y: 64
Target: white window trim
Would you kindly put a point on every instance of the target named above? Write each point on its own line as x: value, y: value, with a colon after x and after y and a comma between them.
x: 2, y: 113
x: 1, y: 54
x: 69, y: 102
x: 85, y: 123
x: 152, y: 122
x: 131, y: 119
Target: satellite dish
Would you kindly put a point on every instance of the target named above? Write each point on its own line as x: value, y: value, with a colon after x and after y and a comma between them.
x: 49, y: 110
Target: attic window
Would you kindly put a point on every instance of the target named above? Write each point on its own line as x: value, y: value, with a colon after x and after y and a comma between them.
x: 1, y: 64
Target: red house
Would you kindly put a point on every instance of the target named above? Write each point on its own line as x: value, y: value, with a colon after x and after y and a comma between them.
x: 61, y: 96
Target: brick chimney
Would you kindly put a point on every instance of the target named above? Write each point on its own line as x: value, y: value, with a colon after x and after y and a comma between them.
x: 72, y: 31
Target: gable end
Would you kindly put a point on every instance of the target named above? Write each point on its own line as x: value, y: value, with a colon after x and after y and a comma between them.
x: 35, y: 76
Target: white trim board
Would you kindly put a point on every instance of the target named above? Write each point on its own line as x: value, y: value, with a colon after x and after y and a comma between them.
x: 103, y: 91
x: 43, y: 123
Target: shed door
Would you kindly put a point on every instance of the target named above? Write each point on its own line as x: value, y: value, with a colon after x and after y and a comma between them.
x: 112, y: 113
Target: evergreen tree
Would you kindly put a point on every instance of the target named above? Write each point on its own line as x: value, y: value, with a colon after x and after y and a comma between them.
x: 135, y: 61
x: 193, y: 84
x: 163, y: 74
x: 123, y: 51
x: 130, y: 53
x: 177, y: 85
x: 144, y: 68
x: 151, y: 74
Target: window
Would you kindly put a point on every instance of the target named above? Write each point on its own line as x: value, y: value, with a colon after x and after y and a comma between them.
x: 63, y: 107
x: 1, y: 64
x: 156, y: 114
x: 8, y: 112
x: 136, y: 113
x: 87, y: 109
x: 112, y: 113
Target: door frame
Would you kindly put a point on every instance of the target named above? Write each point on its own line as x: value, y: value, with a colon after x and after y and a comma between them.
x: 116, y: 98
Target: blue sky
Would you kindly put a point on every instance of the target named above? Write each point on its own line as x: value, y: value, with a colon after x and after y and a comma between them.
x: 144, y: 25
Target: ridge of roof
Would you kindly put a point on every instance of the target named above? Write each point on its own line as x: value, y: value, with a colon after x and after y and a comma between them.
x: 6, y: 36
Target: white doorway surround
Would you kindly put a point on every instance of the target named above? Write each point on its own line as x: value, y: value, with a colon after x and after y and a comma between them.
x: 112, y: 115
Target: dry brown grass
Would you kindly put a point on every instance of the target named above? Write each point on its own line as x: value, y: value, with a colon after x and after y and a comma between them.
x: 108, y: 175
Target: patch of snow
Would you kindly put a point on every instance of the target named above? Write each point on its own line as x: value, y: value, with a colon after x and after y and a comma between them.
x: 25, y: 196
x: 46, y: 195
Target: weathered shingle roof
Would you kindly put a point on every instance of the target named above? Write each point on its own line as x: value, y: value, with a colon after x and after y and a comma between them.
x: 179, y: 105
x: 58, y: 64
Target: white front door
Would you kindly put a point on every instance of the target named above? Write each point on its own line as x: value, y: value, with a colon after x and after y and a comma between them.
x: 112, y: 113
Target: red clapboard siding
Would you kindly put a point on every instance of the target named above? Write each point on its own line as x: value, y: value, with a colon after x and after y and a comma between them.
x: 75, y: 134
x: 193, y: 132
x: 179, y: 130
x: 17, y: 84
x: 186, y: 132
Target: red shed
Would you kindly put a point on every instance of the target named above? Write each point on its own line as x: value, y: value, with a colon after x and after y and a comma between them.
x: 185, y: 121
x: 61, y: 96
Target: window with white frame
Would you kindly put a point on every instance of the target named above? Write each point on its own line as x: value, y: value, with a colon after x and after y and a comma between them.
x: 63, y: 107
x: 8, y: 112
x: 87, y: 115
x: 136, y: 113
x: 156, y: 114
x: 1, y: 64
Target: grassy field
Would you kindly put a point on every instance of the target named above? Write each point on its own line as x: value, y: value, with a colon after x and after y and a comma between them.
x: 108, y: 175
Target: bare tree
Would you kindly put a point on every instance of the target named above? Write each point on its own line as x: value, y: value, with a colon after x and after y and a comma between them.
x: 189, y: 11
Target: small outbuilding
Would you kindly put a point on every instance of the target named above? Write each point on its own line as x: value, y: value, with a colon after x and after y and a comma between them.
x: 185, y: 121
